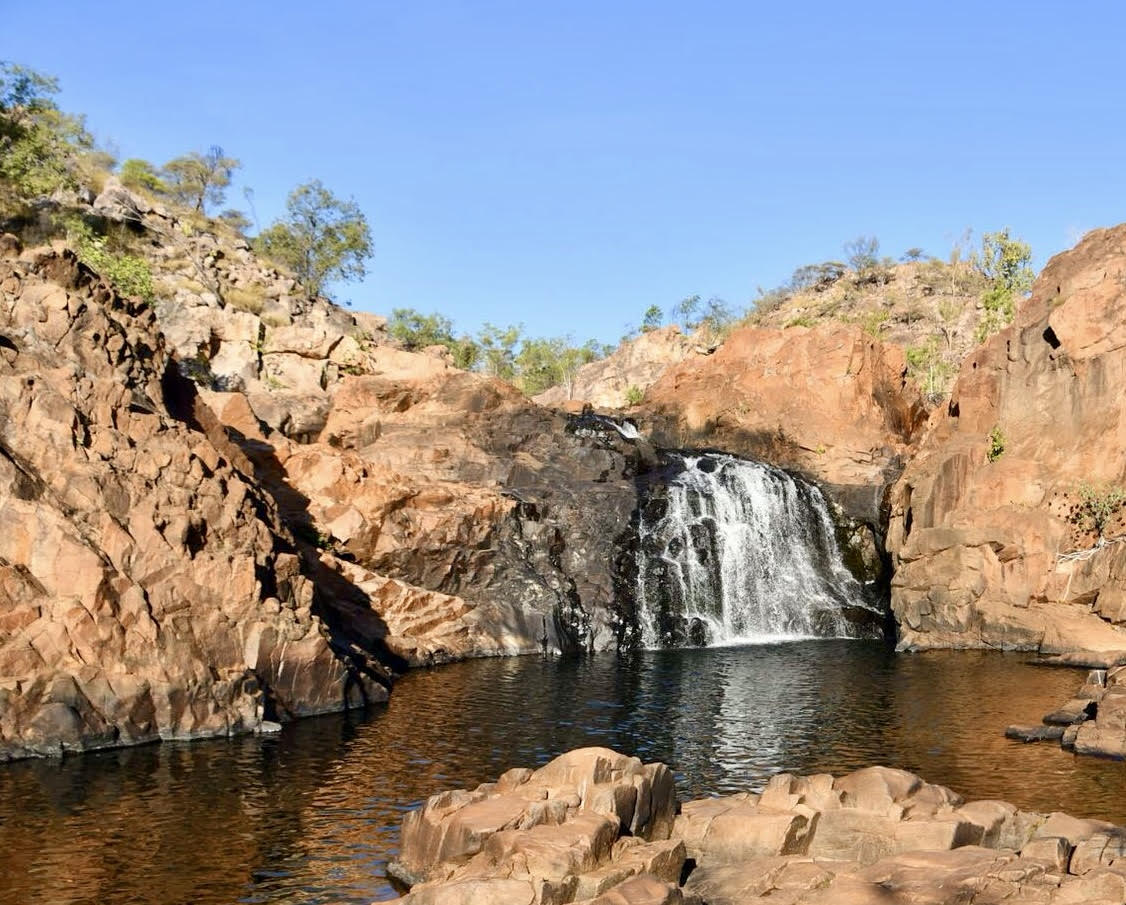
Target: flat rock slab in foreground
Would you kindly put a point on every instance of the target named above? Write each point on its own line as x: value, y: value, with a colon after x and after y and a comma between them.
x: 595, y: 826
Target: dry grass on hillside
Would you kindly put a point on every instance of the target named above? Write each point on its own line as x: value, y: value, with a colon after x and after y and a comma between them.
x: 931, y: 308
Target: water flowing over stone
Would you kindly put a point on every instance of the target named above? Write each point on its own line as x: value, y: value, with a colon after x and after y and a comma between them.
x: 736, y: 551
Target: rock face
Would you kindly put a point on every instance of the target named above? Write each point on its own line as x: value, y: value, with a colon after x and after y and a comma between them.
x: 632, y: 368
x: 569, y: 833
x: 986, y: 547
x: 573, y: 830
x: 236, y: 322
x: 148, y: 588
x: 494, y: 516
x: 830, y: 403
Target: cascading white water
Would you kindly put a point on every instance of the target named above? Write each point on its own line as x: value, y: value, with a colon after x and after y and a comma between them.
x: 741, y: 552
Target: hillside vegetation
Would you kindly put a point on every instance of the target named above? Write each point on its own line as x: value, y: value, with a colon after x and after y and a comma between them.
x: 165, y: 235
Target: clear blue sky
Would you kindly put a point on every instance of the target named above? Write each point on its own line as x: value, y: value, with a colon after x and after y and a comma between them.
x: 565, y: 165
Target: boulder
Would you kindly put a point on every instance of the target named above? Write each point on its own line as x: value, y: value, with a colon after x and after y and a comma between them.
x: 583, y: 823
x: 874, y: 837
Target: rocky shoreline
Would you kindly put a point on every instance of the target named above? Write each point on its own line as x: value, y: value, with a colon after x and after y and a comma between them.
x: 597, y: 827
x: 1092, y: 722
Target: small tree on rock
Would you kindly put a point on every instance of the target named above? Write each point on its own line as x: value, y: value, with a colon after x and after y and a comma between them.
x: 198, y: 179
x: 322, y: 238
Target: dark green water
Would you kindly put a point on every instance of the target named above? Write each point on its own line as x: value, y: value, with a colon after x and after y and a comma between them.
x: 311, y: 816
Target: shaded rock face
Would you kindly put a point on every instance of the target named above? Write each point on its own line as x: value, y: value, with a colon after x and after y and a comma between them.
x: 634, y: 366
x: 830, y: 403
x: 147, y: 587
x: 459, y: 486
x: 568, y: 833
x: 978, y: 542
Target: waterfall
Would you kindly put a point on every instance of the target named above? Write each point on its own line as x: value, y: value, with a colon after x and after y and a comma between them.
x: 736, y: 552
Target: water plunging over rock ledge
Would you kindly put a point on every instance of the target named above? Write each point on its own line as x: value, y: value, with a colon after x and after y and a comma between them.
x: 733, y: 551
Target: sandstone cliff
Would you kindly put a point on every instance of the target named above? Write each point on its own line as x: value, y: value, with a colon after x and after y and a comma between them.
x: 980, y: 540
x: 175, y: 562
x: 831, y: 403
x: 148, y: 588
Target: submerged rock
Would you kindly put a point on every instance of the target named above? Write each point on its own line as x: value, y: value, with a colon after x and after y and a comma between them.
x: 569, y: 833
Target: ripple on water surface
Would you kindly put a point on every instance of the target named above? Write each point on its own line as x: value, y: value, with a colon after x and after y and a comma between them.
x: 312, y: 815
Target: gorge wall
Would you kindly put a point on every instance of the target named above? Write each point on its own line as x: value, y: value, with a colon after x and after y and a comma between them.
x: 981, y: 542
x: 241, y: 505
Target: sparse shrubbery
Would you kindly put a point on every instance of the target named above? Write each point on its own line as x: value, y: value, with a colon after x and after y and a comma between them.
x: 246, y: 298
x: 129, y: 274
x: 1098, y: 504
x: 534, y: 364
x: 929, y: 370
x: 634, y: 395
x: 140, y: 175
x: 1004, y: 262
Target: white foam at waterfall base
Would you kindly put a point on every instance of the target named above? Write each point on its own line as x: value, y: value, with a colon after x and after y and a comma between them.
x: 746, y: 554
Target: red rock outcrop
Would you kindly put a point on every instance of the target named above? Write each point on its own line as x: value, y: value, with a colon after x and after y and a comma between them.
x: 478, y: 521
x: 983, y: 531
x: 147, y: 587
x: 831, y: 403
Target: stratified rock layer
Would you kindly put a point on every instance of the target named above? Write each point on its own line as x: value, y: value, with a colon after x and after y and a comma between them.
x: 983, y: 517
x: 570, y: 832
x: 147, y: 587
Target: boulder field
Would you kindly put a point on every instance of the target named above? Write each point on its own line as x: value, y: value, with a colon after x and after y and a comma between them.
x: 596, y: 826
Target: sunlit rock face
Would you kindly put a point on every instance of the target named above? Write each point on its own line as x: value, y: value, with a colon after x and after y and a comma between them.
x: 830, y: 403
x: 147, y: 586
x: 987, y: 512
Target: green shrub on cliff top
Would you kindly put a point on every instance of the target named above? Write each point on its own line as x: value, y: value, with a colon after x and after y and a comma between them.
x: 40, y: 146
x: 1006, y: 264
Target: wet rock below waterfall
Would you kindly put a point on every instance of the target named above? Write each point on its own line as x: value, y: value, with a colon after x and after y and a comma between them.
x: 730, y: 550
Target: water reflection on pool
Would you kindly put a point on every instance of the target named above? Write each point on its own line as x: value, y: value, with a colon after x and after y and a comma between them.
x: 312, y: 815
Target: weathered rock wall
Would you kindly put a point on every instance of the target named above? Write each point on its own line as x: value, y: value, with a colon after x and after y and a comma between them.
x: 978, y: 539
x: 147, y: 587
x: 830, y: 403
x: 633, y: 367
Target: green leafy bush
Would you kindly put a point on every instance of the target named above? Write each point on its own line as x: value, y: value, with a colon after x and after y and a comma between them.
x: 129, y: 274
x: 996, y: 444
x: 634, y: 395
x: 928, y: 369
x: 1005, y: 263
